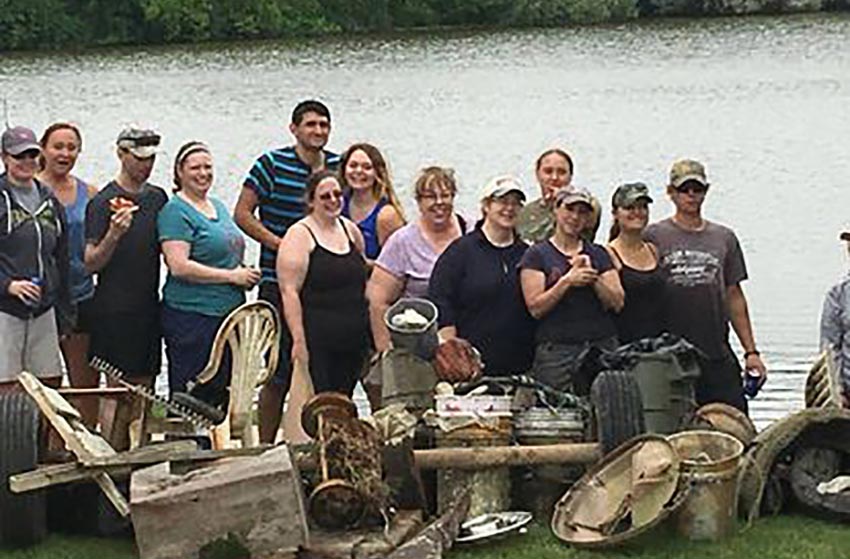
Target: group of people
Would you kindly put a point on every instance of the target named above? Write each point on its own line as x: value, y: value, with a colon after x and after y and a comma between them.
x: 522, y: 281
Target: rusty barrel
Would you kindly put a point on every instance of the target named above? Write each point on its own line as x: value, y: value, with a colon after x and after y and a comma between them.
x: 490, y: 487
x: 709, y: 464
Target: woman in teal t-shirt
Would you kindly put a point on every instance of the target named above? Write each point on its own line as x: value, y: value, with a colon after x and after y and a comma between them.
x: 203, y: 250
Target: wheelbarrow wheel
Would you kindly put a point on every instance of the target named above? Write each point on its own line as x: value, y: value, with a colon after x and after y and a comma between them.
x: 23, y: 517
x: 617, y: 409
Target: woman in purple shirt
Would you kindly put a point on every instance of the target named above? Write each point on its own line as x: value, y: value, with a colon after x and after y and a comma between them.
x: 404, y: 266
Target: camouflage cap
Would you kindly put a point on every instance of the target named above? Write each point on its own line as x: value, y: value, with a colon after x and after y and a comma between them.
x: 568, y: 196
x: 686, y: 170
x: 629, y: 194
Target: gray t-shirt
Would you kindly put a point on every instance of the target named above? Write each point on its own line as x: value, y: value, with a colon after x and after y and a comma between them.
x: 27, y: 196
x: 698, y: 267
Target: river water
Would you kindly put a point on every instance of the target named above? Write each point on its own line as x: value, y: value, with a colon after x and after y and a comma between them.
x: 763, y: 102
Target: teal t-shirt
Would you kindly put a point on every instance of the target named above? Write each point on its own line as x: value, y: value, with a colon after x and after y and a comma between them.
x: 217, y: 243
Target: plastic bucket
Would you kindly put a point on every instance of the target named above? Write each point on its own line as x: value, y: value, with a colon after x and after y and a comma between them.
x: 418, y: 340
x: 490, y: 488
x: 538, y: 488
x: 709, y: 463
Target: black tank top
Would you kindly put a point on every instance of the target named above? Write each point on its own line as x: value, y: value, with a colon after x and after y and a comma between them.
x: 333, y: 298
x: 641, y: 316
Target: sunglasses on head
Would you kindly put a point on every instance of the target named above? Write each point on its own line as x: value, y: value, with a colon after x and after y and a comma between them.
x: 28, y: 154
x: 336, y: 194
x: 692, y: 188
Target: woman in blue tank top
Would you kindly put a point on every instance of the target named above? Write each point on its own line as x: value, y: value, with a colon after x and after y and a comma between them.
x: 370, y: 200
x: 61, y: 144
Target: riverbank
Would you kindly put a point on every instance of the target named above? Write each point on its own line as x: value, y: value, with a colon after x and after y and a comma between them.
x: 783, y: 537
x: 53, y: 24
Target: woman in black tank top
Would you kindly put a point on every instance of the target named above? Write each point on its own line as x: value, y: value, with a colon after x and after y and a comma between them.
x: 637, y: 262
x: 323, y: 280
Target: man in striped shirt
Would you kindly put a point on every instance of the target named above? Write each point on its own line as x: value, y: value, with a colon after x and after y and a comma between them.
x: 275, y: 186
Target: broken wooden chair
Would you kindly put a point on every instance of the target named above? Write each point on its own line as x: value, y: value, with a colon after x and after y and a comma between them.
x: 93, y: 454
x: 252, y: 333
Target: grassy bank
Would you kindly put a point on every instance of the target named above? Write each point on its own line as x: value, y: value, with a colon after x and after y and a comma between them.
x: 785, y: 537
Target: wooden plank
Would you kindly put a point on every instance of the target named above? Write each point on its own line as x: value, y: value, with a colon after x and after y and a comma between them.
x: 150, y: 454
x: 473, y: 458
x: 68, y: 428
x: 255, y: 502
x: 57, y: 474
x: 115, y: 497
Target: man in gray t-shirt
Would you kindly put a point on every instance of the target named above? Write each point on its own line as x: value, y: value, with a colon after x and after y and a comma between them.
x: 704, y: 266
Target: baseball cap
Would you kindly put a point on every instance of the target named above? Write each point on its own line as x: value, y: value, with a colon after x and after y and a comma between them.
x: 502, y: 186
x: 629, y: 194
x: 568, y: 196
x: 19, y: 139
x: 686, y: 170
x: 141, y: 142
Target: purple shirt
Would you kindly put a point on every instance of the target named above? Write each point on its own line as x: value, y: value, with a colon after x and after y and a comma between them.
x: 408, y: 256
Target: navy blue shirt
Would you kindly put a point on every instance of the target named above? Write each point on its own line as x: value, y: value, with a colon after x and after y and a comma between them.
x: 278, y: 178
x: 579, y: 316
x: 475, y: 286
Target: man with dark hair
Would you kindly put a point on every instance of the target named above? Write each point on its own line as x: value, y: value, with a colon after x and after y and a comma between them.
x: 275, y: 186
x: 704, y: 266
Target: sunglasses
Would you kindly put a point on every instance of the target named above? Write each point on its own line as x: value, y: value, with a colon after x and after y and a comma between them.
x: 29, y: 154
x: 692, y: 188
x: 336, y: 194
x: 437, y: 196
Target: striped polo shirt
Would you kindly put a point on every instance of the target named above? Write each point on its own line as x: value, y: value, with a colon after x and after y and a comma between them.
x: 278, y: 179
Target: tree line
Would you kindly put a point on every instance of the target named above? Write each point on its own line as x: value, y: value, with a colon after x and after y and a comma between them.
x: 46, y: 24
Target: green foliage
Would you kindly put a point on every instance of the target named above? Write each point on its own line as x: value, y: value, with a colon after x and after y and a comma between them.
x: 37, y: 24
x: 177, y: 20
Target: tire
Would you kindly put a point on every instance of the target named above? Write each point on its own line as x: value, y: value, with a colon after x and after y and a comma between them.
x: 23, y: 518
x: 812, y: 465
x: 617, y: 409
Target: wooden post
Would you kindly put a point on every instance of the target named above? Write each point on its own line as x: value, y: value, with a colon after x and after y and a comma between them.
x: 473, y: 458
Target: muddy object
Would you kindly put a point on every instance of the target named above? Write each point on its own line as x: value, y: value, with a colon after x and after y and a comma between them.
x: 772, y: 446
x: 417, y: 336
x: 626, y: 494
x: 210, y: 412
x: 489, y: 487
x: 23, y: 517
x: 812, y: 466
x: 726, y: 419
x: 710, y: 461
x: 438, y: 536
x: 617, y: 409
x: 823, y: 385
x: 351, y: 489
x: 336, y: 504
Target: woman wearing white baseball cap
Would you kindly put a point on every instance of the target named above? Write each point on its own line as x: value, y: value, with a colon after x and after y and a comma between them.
x: 475, y: 284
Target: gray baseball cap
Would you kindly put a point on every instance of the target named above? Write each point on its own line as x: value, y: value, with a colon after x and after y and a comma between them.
x: 19, y: 139
x: 141, y: 142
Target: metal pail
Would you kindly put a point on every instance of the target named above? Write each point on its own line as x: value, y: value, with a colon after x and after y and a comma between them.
x: 418, y: 340
x: 709, y: 463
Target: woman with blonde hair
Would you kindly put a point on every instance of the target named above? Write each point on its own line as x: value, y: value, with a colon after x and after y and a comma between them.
x: 370, y: 200
x: 403, y: 269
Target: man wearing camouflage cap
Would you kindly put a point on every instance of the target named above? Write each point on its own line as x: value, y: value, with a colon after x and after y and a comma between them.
x: 703, y: 267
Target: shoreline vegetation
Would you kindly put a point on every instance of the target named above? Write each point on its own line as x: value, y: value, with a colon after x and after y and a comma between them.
x: 54, y: 24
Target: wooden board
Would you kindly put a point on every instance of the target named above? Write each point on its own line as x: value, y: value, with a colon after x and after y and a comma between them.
x: 256, y: 501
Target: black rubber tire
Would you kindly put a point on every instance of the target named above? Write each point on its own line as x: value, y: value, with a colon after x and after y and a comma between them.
x: 811, y: 466
x: 617, y: 409
x: 23, y: 517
